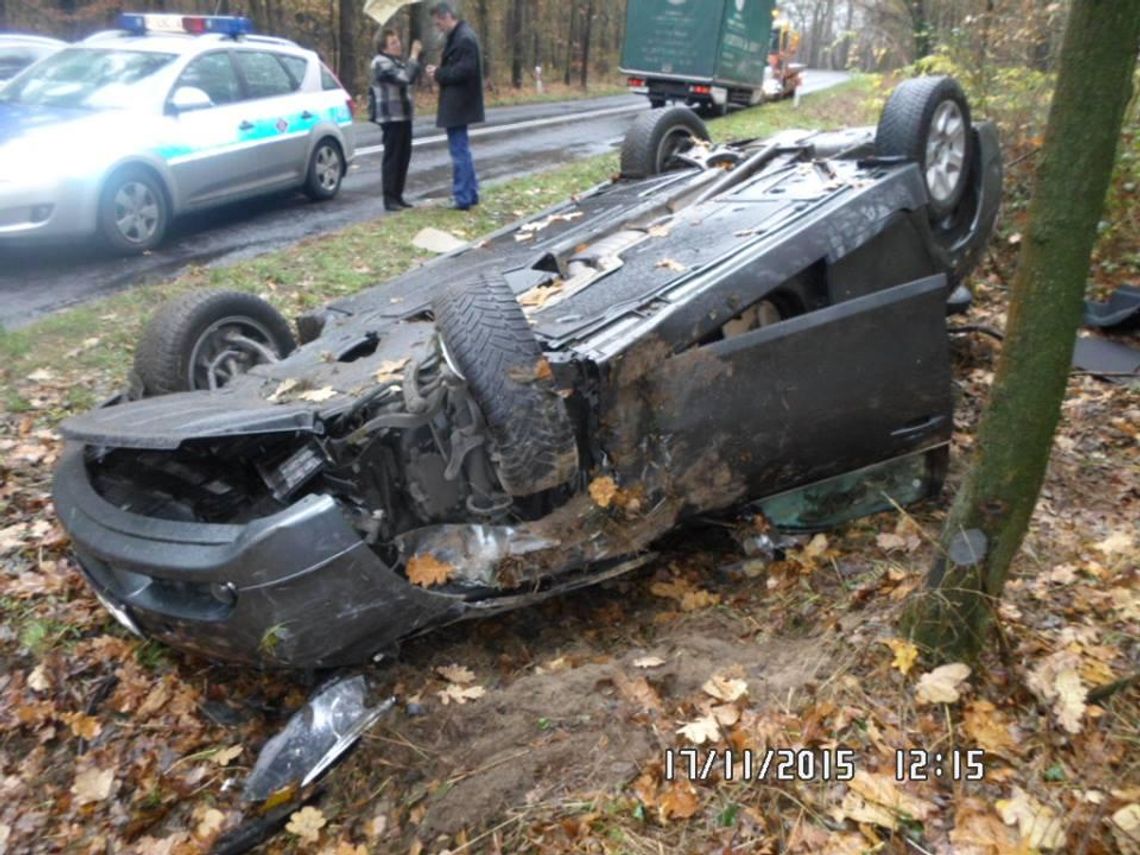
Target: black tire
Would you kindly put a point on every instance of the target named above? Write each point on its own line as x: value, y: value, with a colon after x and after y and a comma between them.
x: 487, y: 338
x: 905, y: 129
x: 655, y: 137
x: 325, y: 172
x: 185, y: 331
x: 133, y: 210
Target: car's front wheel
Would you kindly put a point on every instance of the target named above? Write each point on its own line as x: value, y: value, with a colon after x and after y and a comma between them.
x: 133, y: 211
x: 203, y: 339
x: 487, y: 338
x: 326, y: 169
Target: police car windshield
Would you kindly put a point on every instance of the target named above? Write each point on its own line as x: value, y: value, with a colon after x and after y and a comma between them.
x: 85, y: 78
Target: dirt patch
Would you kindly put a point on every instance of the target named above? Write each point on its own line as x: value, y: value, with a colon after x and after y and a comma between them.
x: 576, y: 718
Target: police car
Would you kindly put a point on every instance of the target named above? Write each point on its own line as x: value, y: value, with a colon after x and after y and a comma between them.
x: 117, y: 134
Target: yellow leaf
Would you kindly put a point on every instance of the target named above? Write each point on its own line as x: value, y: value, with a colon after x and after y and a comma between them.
x: 883, y: 791
x: 316, y: 396
x: 725, y: 688
x: 906, y: 654
x: 701, y: 730
x: 83, y: 726
x: 670, y: 264
x: 283, y: 388
x: 228, y: 755
x: 603, y: 490
x: 1118, y: 541
x: 38, y: 680
x: 455, y: 673
x: 979, y: 832
x: 307, y: 824
x: 210, y: 824
x: 691, y: 601
x: 637, y: 691
x: 940, y: 686
x: 460, y: 694
x: 1127, y: 819
x: 426, y: 570
x: 679, y: 802
x: 391, y: 369
x: 1036, y: 823
x: 988, y: 728
x: 93, y: 785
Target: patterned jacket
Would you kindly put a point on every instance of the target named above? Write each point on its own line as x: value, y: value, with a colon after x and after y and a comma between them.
x: 391, y: 77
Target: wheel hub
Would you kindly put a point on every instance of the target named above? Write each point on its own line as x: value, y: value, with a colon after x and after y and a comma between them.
x: 136, y: 211
x: 945, y: 151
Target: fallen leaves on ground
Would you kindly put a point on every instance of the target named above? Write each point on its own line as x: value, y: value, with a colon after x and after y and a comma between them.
x: 941, y: 686
x: 456, y: 693
x: 307, y: 824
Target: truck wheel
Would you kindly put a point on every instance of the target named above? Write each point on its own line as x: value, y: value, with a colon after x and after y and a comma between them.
x: 655, y: 137
x: 204, y: 339
x: 927, y: 120
x: 488, y: 340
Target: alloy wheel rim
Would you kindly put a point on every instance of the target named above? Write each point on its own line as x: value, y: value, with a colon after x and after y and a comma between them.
x: 328, y: 167
x: 227, y: 348
x: 137, y: 211
x: 945, y: 151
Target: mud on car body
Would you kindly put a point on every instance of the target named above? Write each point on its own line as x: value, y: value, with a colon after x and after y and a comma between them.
x: 528, y: 414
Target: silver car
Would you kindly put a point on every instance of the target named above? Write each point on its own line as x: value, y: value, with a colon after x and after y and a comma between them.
x: 116, y: 135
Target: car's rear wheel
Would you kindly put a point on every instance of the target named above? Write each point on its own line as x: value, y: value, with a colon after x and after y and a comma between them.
x: 133, y: 211
x: 489, y: 342
x: 656, y: 137
x: 927, y: 120
x: 204, y: 339
x: 326, y: 169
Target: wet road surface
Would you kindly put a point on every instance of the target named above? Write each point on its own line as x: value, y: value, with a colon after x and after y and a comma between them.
x: 517, y: 140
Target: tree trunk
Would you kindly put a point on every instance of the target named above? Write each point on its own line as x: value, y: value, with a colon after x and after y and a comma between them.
x: 570, y: 43
x: 586, y: 25
x: 991, y: 512
x: 518, y: 43
x: 349, y: 20
x: 921, y: 29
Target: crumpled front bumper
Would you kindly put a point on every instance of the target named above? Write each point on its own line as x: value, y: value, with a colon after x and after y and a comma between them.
x: 297, y: 589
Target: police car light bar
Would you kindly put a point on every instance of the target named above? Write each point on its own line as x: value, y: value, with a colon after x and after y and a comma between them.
x: 229, y: 25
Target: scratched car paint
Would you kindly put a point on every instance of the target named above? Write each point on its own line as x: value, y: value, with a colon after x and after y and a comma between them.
x: 761, y: 322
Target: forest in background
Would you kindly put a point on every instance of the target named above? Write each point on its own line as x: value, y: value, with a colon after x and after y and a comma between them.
x: 579, y: 43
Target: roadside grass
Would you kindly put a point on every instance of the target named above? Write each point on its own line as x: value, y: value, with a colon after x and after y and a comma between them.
x: 95, y: 341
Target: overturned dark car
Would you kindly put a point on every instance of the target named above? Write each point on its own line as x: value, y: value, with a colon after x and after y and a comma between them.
x: 757, y: 322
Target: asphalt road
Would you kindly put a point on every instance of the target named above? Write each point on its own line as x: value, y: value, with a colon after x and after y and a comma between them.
x: 514, y: 141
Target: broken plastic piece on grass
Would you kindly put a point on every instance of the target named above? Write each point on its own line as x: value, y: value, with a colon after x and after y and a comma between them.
x: 1121, y: 308
x: 968, y: 548
x: 437, y: 240
x: 1104, y: 357
x: 316, y: 735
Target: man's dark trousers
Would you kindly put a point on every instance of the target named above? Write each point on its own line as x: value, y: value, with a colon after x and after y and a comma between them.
x: 397, y: 156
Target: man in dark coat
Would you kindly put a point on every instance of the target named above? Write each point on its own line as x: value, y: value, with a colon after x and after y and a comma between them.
x: 460, y: 79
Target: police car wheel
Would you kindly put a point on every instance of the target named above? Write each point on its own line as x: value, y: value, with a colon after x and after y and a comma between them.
x: 326, y: 168
x: 133, y: 211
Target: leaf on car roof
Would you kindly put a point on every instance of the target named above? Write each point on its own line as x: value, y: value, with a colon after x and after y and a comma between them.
x: 283, y: 388
x: 660, y: 230
x: 672, y: 264
x: 538, y: 295
x: 318, y: 395
x: 391, y: 369
x: 426, y: 570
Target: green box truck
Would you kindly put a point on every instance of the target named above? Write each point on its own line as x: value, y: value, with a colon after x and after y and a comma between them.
x: 707, y: 53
